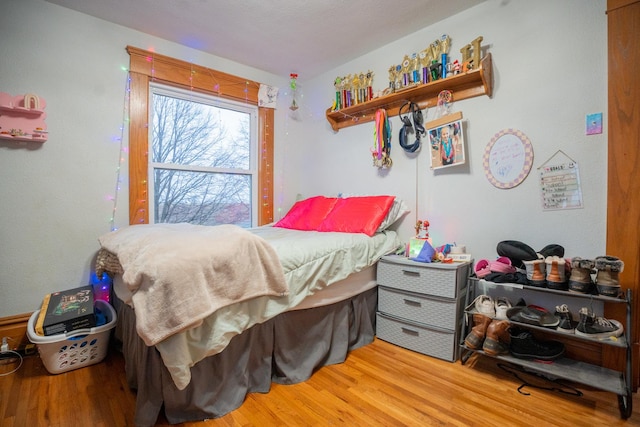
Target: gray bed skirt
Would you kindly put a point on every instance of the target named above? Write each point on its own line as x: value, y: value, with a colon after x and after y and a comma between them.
x: 287, y: 349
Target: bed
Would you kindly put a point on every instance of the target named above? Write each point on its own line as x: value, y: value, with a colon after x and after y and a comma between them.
x: 308, y: 311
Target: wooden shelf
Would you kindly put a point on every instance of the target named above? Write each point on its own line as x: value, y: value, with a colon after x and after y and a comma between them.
x: 472, y: 83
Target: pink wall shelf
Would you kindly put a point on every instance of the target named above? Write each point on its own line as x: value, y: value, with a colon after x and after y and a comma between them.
x: 22, y: 118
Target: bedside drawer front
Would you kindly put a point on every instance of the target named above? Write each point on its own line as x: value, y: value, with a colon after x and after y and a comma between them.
x: 442, y: 282
x: 418, y: 308
x: 432, y: 342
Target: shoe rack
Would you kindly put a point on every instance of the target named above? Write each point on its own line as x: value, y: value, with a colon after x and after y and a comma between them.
x: 566, y: 368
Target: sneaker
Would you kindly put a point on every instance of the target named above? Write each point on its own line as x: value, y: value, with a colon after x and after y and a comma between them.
x: 502, y: 305
x: 484, y: 305
x: 566, y: 319
x: 523, y: 345
x: 596, y: 327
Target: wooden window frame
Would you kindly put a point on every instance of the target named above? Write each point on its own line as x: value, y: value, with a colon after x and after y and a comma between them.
x: 146, y: 66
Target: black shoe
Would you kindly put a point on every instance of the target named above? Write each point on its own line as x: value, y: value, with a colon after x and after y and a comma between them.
x: 525, y: 346
x: 566, y: 324
x: 593, y: 326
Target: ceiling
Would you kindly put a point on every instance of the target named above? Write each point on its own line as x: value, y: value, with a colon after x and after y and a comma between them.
x: 308, y: 37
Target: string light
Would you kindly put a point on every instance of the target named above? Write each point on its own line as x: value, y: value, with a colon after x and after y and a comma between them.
x: 121, y: 158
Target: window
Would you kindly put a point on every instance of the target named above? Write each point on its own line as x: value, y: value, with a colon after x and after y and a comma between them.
x: 146, y: 69
x: 202, y: 166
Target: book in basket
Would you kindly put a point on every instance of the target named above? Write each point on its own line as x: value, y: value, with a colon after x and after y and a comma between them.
x: 66, y: 311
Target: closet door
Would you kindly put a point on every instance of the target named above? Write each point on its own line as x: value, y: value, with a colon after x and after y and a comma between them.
x: 623, y: 185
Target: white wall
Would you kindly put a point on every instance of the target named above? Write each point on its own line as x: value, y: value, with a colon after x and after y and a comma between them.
x: 54, y: 198
x: 550, y: 70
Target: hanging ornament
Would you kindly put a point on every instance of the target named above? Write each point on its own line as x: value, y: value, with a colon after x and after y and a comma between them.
x: 293, y: 83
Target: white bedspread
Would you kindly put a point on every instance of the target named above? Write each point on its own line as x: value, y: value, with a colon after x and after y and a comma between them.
x: 178, y: 274
x: 311, y: 261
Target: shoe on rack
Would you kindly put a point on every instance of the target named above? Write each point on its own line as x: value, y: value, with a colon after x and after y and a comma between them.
x: 502, y: 265
x: 536, y: 272
x: 580, y: 279
x: 533, y: 315
x: 607, y: 282
x: 475, y: 338
x: 502, y: 305
x: 593, y: 326
x: 482, y: 268
x: 556, y: 273
x: 483, y: 304
x: 566, y: 324
x: 497, y: 338
x: 523, y: 345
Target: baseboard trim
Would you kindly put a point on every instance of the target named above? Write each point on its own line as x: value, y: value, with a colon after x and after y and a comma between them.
x: 15, y: 329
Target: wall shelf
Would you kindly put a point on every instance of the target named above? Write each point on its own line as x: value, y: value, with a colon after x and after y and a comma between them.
x: 22, y: 118
x: 26, y: 138
x: 470, y: 84
x: 21, y: 110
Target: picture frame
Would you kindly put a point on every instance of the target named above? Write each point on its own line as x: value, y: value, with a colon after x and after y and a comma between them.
x: 446, y: 141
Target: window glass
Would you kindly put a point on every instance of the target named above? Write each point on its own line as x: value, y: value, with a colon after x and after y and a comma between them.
x: 202, y: 159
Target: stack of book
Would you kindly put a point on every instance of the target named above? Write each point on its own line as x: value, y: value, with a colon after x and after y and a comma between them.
x: 66, y: 311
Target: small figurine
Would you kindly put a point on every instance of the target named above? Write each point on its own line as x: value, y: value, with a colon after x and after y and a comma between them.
x: 456, y: 67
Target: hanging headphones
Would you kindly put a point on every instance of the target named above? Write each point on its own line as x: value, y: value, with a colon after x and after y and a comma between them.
x: 418, y: 119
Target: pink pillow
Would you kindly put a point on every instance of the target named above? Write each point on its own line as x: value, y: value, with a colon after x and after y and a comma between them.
x: 307, y: 214
x: 357, y: 214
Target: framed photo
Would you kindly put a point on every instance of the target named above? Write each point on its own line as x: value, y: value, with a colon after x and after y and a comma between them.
x: 447, y: 142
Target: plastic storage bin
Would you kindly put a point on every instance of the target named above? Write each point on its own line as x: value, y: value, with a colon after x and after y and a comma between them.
x: 77, y: 349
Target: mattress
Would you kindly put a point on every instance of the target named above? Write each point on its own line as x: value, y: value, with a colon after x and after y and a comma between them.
x: 344, y: 289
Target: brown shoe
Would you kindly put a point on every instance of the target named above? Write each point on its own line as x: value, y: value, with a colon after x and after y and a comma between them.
x: 475, y: 338
x: 607, y: 281
x: 497, y: 338
x: 580, y: 278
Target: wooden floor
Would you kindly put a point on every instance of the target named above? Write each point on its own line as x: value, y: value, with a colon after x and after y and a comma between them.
x: 378, y: 385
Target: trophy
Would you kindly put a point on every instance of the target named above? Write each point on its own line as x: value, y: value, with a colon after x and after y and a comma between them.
x: 415, y: 69
x: 369, y: 85
x: 338, y: 101
x: 425, y: 62
x: 406, y: 69
x: 445, y: 42
x: 392, y: 78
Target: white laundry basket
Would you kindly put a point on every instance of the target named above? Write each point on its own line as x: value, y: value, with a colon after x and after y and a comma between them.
x: 76, y: 349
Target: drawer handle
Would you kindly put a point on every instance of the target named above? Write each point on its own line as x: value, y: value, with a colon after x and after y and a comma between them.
x: 413, y: 303
x: 411, y: 332
x: 411, y: 272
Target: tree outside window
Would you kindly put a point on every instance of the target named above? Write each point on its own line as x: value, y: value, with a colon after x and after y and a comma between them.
x: 202, y: 159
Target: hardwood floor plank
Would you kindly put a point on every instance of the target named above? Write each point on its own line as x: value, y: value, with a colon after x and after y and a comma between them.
x: 378, y: 385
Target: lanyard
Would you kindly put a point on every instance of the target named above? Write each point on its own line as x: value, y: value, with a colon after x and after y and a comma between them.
x: 382, y: 140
